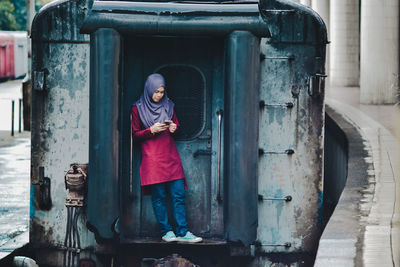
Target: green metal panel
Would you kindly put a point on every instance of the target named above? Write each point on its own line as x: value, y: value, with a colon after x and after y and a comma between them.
x: 178, y: 19
x: 242, y: 96
x: 104, y: 146
x: 222, y: 41
x: 291, y: 129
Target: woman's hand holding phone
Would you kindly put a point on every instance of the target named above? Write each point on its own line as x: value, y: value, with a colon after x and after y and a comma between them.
x: 158, y: 127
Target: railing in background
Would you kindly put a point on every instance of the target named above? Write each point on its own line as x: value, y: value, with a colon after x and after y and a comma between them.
x: 13, y: 114
x: 12, y: 117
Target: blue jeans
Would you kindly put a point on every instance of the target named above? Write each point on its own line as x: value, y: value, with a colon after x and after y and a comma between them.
x: 177, y: 193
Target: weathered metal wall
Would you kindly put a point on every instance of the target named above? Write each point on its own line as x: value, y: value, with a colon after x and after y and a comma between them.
x: 291, y: 131
x: 141, y: 25
x: 241, y: 104
x: 291, y: 118
x: 60, y: 121
x: 103, y: 191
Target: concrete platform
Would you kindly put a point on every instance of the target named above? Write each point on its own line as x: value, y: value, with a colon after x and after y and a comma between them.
x: 364, y: 228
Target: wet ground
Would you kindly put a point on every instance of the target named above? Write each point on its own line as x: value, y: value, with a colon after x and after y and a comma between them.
x: 14, y: 173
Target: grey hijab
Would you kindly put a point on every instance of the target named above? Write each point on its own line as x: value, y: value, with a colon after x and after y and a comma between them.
x: 151, y: 112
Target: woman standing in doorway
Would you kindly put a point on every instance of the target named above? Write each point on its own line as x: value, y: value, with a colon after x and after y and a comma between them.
x: 154, y: 122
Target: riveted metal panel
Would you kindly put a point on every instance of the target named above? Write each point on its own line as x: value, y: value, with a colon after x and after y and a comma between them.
x: 289, y: 225
x: 294, y: 53
x: 291, y: 135
x: 60, y: 116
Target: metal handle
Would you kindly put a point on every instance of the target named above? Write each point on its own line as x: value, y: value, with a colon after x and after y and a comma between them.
x: 287, y: 151
x: 202, y: 152
x: 131, y: 195
x: 287, y: 198
x: 288, y: 105
x: 219, y: 114
x: 286, y: 245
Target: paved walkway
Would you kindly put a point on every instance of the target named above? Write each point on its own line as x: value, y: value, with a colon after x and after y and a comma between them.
x: 14, y: 191
x: 375, y: 241
x: 14, y: 173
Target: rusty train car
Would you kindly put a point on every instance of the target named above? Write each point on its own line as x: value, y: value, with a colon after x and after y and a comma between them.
x: 6, y: 56
x: 13, y: 54
x: 247, y: 79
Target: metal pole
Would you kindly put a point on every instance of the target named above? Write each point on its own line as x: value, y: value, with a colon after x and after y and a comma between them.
x: 30, y: 13
x: 219, y: 114
x: 19, y: 115
x: 12, y: 117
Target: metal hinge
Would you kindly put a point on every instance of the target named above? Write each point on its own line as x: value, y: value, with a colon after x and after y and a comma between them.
x: 317, y: 84
x: 39, y: 80
x: 287, y: 151
x: 44, y: 183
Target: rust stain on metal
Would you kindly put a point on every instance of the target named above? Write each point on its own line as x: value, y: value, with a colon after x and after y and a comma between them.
x: 41, y: 232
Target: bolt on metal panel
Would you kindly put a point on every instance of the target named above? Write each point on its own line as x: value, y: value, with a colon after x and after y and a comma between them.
x: 291, y: 57
x: 60, y: 130
x: 291, y: 119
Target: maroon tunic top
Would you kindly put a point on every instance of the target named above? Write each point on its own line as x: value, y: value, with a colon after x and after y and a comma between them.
x: 160, y: 158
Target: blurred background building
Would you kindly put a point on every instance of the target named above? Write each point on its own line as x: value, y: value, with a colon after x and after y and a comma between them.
x: 364, y: 46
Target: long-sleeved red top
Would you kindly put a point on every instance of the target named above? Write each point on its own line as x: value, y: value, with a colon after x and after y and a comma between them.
x: 160, y: 158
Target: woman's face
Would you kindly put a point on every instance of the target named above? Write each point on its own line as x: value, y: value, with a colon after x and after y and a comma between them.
x: 158, y: 94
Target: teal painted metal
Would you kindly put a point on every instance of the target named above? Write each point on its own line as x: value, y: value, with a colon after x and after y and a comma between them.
x: 144, y: 55
x: 293, y: 56
x: 211, y: 38
x: 335, y: 165
x: 104, y: 144
x: 241, y: 135
x: 290, y: 22
x: 180, y: 19
x: 60, y: 120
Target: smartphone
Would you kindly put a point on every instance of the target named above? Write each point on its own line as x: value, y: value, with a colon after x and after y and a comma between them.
x: 167, y: 122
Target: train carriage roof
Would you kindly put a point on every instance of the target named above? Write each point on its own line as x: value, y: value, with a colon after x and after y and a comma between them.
x: 174, y: 18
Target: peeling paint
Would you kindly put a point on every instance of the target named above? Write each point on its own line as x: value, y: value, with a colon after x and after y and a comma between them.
x: 299, y: 175
x: 60, y: 132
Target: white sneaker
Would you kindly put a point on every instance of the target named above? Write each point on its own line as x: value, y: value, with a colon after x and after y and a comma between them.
x: 189, y: 238
x: 169, y: 237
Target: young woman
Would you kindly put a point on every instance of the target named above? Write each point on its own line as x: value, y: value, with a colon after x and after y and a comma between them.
x: 154, y: 122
